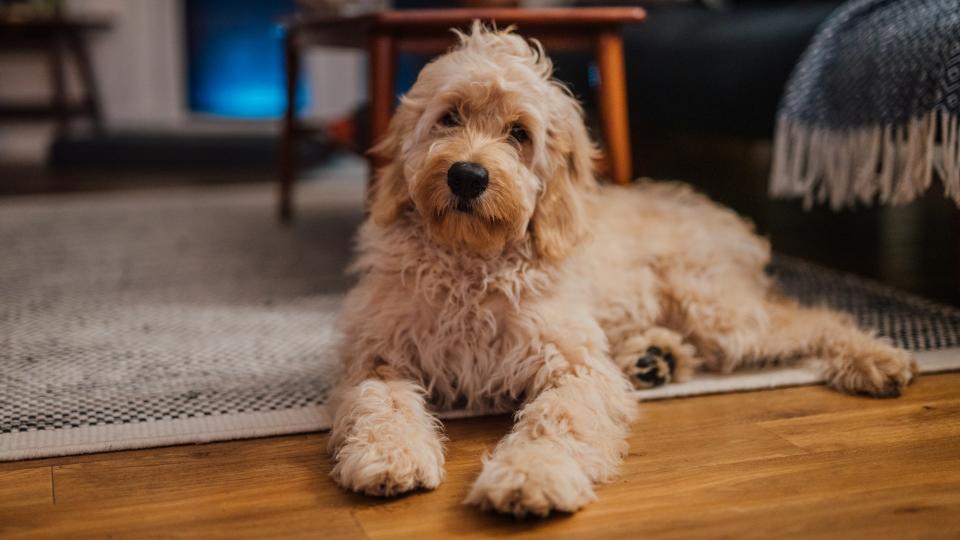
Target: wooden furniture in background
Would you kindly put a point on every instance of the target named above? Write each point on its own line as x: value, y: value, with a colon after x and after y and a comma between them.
x: 385, y: 34
x: 58, y: 37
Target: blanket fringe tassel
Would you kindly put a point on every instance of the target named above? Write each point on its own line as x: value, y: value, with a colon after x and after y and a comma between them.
x: 894, y: 164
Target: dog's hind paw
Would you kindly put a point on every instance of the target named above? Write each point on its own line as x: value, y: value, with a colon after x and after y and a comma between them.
x: 656, y: 357
x: 878, y: 370
x: 655, y: 368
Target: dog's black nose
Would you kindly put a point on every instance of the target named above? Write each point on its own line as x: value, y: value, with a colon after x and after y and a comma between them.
x: 467, y: 180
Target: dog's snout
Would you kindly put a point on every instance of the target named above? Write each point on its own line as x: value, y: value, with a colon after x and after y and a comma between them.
x: 467, y: 180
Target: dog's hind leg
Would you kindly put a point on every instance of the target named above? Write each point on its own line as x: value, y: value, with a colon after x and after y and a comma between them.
x: 852, y: 360
x: 384, y: 440
x: 654, y: 357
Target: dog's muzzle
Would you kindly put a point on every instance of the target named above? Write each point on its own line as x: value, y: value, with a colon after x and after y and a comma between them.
x: 467, y: 180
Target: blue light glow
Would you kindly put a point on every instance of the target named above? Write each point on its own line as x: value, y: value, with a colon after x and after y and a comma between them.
x: 235, y: 58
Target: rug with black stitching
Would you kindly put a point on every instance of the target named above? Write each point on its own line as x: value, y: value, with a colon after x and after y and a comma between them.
x: 149, y: 318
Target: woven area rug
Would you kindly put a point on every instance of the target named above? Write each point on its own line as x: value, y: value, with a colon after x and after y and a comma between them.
x: 148, y: 318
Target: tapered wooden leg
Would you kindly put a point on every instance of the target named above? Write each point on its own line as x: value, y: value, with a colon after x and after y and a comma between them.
x: 381, y: 79
x: 288, y: 141
x: 59, y: 83
x: 81, y: 53
x: 613, y: 105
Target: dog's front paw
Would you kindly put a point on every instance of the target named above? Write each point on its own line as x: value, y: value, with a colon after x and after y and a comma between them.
x: 656, y: 357
x: 532, y: 478
x: 389, y: 467
x: 881, y: 371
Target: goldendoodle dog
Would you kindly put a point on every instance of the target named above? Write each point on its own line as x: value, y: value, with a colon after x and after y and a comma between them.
x: 494, y: 271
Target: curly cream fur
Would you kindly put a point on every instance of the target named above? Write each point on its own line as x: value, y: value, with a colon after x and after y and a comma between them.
x: 540, y: 295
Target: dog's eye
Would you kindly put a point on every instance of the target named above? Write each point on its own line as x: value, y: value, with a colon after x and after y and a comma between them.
x: 451, y: 119
x: 518, y: 134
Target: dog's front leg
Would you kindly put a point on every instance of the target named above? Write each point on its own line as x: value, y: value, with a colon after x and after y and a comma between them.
x: 384, y: 440
x: 570, y: 435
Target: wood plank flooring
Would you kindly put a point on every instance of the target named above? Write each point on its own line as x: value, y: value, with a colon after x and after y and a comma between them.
x: 800, y: 462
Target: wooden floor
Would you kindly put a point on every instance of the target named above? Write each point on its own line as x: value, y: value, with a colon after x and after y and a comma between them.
x: 801, y: 462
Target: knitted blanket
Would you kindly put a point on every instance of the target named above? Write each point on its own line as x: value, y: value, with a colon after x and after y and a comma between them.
x: 871, y: 111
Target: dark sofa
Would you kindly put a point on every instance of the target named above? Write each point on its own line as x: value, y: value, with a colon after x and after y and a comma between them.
x: 718, y: 70
x: 708, y: 69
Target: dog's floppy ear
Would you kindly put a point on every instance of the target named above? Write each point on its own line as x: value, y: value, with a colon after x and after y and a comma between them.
x: 389, y: 194
x: 560, y: 221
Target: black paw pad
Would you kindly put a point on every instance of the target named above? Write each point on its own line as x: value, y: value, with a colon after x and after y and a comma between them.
x: 892, y: 389
x: 656, y: 367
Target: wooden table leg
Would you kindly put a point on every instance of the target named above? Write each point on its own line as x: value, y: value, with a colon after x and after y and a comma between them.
x: 81, y: 54
x: 613, y: 105
x: 58, y: 97
x: 288, y: 142
x: 381, y: 79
